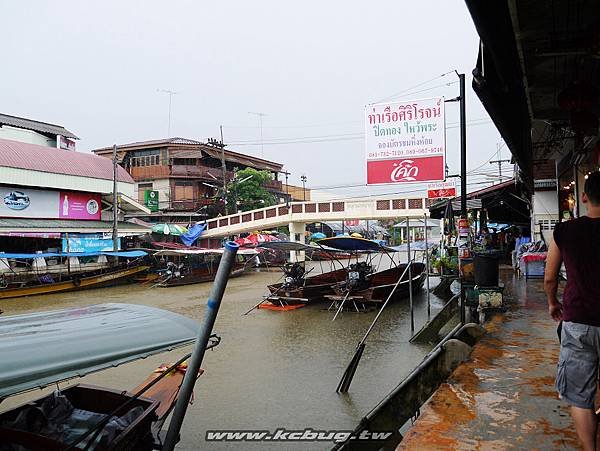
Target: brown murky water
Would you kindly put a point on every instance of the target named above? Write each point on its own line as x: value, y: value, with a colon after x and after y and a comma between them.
x: 272, y: 369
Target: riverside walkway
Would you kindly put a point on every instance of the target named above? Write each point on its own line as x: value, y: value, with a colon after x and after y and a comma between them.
x: 503, y: 397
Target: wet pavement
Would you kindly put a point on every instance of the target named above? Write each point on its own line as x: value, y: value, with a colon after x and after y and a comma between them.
x: 503, y: 397
x: 272, y: 369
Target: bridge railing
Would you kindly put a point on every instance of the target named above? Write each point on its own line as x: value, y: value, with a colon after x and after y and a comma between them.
x: 327, y: 210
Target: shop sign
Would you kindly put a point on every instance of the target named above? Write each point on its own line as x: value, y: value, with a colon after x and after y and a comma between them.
x: 351, y: 222
x: 151, y: 200
x: 21, y: 202
x: 87, y: 242
x: 405, y: 141
x: 66, y: 143
x: 441, y: 190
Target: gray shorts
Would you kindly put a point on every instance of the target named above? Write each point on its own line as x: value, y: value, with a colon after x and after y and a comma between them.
x: 577, y: 374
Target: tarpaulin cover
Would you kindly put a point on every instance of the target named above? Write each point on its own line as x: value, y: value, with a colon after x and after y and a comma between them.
x: 192, y: 234
x: 287, y: 246
x: 128, y: 254
x: 180, y: 252
x: 39, y: 349
x: 348, y: 243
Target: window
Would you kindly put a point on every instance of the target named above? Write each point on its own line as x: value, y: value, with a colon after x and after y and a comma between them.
x: 148, y: 160
x: 141, y: 188
x: 184, y: 161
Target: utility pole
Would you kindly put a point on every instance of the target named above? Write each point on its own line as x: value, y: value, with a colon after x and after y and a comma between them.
x: 287, y: 195
x: 115, y: 233
x: 499, y: 161
x: 260, y: 121
x: 463, y: 182
x: 463, y: 148
x: 303, y: 178
x: 171, y: 94
x: 224, y: 167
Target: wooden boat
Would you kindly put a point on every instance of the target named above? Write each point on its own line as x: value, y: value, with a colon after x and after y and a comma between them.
x: 58, y: 345
x: 366, y: 285
x: 297, y: 287
x: 41, y: 279
x: 380, y: 284
x: 306, y: 289
x: 177, y: 267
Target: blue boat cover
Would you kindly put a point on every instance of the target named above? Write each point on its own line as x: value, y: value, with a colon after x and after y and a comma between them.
x: 42, y: 348
x: 188, y: 238
x: 127, y: 254
x: 348, y: 243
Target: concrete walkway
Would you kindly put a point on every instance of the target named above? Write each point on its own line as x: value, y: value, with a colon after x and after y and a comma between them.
x: 504, y: 396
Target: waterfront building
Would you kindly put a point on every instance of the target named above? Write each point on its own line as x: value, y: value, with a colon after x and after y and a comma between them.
x: 543, y: 94
x: 36, y: 132
x: 178, y: 179
x: 59, y: 200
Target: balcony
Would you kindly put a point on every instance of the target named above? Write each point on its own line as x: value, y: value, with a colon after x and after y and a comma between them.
x: 274, y: 185
x: 149, y: 172
x: 185, y: 205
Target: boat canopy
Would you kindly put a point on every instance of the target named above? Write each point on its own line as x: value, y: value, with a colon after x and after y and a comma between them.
x: 128, y: 254
x: 348, y: 243
x: 42, y: 348
x: 180, y: 252
x: 287, y: 246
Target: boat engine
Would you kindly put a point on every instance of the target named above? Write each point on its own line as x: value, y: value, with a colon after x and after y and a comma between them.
x: 356, y: 278
x: 293, y: 274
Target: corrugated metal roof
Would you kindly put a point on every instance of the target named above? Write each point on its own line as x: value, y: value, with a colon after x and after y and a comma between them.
x: 231, y: 156
x: 246, y: 160
x: 15, y: 154
x: 42, y: 127
x: 151, y: 143
x: 66, y: 225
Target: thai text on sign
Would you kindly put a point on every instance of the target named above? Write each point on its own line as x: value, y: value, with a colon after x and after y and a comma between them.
x: 440, y: 190
x: 405, y: 141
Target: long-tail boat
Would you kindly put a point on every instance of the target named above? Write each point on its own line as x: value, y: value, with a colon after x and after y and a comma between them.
x: 363, y: 283
x: 42, y: 349
x: 177, y: 267
x: 55, y: 272
x: 298, y: 288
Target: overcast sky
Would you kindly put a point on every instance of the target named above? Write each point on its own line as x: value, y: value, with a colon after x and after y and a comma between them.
x: 310, y: 67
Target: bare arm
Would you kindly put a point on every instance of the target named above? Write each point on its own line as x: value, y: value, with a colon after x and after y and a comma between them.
x: 553, y: 262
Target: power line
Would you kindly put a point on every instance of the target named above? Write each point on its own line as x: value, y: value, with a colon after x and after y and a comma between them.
x: 330, y: 138
x: 413, y: 87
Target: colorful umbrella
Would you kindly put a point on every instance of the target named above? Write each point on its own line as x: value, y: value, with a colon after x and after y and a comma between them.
x: 168, y: 229
x: 318, y: 236
x: 255, y: 239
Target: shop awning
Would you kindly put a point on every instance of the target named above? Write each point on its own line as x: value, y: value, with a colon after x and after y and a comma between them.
x: 26, y: 225
x: 126, y: 204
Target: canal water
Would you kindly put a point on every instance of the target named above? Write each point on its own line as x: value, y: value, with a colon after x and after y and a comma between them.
x: 272, y: 369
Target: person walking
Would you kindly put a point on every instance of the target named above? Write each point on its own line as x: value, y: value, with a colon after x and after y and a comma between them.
x: 577, y: 244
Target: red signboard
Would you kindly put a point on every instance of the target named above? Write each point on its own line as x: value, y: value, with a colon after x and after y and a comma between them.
x: 441, y: 193
x: 351, y: 222
x: 405, y: 170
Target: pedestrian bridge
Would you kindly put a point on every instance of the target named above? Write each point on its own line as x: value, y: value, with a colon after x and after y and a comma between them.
x: 297, y: 214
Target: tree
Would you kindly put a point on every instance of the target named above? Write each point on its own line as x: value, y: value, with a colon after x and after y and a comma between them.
x: 247, y: 192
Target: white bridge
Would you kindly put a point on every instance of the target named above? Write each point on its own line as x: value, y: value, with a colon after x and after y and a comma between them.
x: 297, y: 214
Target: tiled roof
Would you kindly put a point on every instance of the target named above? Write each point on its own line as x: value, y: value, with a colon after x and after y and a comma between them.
x: 42, y: 127
x: 15, y: 154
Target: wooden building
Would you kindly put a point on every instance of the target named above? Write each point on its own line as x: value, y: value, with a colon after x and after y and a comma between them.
x: 185, y: 175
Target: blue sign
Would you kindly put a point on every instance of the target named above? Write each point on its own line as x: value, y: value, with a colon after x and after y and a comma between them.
x: 87, y: 242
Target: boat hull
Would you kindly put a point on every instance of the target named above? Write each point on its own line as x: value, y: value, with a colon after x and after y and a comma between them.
x: 315, y: 288
x: 199, y: 277
x: 83, y: 283
x: 382, y: 284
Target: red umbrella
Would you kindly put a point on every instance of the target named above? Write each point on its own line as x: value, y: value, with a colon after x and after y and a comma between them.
x: 242, y: 242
